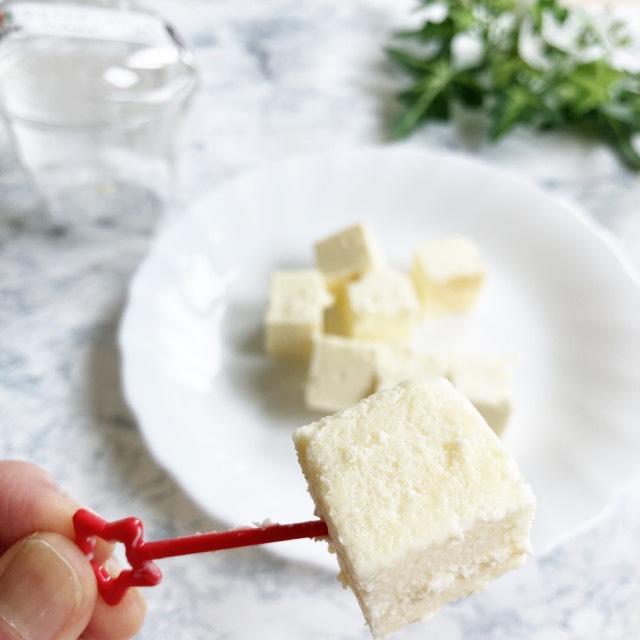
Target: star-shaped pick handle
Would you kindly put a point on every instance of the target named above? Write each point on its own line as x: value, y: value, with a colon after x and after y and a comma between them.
x: 140, y: 554
x: 143, y: 572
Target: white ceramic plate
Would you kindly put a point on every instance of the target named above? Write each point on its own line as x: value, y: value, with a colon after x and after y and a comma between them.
x: 218, y: 413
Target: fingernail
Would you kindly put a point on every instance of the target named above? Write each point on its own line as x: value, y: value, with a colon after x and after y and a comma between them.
x: 39, y: 592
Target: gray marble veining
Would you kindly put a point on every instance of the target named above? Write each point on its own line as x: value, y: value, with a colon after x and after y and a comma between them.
x: 279, y: 78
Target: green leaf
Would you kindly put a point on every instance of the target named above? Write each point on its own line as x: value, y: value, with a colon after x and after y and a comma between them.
x: 618, y: 33
x: 430, y: 31
x: 468, y: 91
x: 515, y: 106
x: 492, y: 7
x: 429, y: 95
x: 626, y: 109
x: 410, y: 63
x: 552, y: 7
x: 620, y: 136
x: 563, y: 91
x: 462, y: 19
x: 589, y: 86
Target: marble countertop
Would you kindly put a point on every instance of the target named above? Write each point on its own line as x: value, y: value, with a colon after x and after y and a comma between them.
x: 279, y: 78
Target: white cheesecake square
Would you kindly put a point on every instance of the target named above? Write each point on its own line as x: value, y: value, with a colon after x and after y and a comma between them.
x: 448, y: 274
x: 397, y: 363
x: 341, y: 372
x: 422, y: 502
x: 295, y: 313
x: 381, y: 305
x: 348, y: 253
x: 487, y: 383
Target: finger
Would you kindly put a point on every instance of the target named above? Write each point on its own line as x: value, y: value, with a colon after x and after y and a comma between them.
x: 117, y: 622
x: 31, y: 501
x: 47, y: 589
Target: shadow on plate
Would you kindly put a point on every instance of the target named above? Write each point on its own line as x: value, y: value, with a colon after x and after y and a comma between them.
x: 277, y: 386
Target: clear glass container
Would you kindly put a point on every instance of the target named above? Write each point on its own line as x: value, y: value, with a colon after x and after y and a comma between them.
x: 93, y: 93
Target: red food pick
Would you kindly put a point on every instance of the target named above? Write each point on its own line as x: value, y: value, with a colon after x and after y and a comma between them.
x: 140, y: 554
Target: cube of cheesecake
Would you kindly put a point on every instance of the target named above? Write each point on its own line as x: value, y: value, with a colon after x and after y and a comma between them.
x: 348, y: 254
x: 402, y: 362
x: 335, y: 322
x: 422, y: 502
x: 297, y: 300
x: 341, y: 372
x: 448, y: 275
x: 381, y: 305
x: 487, y: 383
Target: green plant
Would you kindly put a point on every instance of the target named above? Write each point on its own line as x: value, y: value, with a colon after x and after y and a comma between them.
x: 534, y: 62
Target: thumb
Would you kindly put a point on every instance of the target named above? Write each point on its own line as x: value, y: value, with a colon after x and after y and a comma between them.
x: 47, y: 589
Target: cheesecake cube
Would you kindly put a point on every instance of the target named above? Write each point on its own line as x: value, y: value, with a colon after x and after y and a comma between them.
x: 448, y: 274
x: 380, y: 305
x: 487, y: 383
x: 422, y: 502
x: 335, y: 320
x: 341, y: 372
x: 397, y: 363
x: 297, y: 300
x: 348, y: 254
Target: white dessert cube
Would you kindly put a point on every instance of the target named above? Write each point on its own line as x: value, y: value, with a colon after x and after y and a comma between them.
x: 487, y: 383
x: 341, y: 372
x: 297, y: 300
x: 402, y: 362
x: 422, y: 502
x: 348, y: 253
x: 448, y: 274
x: 380, y: 305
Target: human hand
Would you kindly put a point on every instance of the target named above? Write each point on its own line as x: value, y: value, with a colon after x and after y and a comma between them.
x: 47, y: 587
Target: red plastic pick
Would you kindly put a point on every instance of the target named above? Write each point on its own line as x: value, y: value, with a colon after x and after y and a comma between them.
x: 140, y: 554
x: 143, y: 571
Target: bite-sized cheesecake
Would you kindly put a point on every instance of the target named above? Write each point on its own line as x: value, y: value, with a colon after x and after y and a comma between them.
x: 381, y: 305
x: 448, y: 274
x: 348, y: 253
x: 422, y: 502
x: 341, y: 372
x: 297, y: 300
x: 486, y: 381
x: 398, y: 362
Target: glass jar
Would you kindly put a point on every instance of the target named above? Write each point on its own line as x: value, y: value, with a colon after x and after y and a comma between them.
x: 93, y: 93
